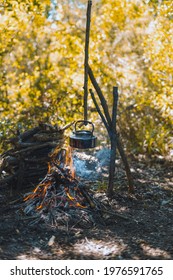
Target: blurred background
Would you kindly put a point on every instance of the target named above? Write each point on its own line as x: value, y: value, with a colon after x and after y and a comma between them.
x: 131, y: 46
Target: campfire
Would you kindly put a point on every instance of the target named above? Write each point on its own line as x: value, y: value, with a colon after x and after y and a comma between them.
x: 39, y: 159
x: 60, y: 198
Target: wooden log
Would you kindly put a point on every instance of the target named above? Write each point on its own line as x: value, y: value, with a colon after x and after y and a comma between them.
x: 126, y: 165
x: 37, y: 147
x: 43, y: 137
x: 86, y: 59
x: 37, y: 160
x: 25, y: 135
x: 113, y: 143
x: 20, y: 176
x: 99, y: 111
x: 7, y: 179
x: 100, y: 95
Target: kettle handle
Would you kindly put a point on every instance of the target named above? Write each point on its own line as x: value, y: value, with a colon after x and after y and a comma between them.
x: 83, y: 122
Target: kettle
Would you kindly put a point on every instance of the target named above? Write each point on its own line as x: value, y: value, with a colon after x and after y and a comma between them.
x: 83, y: 139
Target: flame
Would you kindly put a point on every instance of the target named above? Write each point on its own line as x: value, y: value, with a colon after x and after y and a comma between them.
x: 79, y: 205
x: 55, y: 152
x: 73, y: 199
x: 70, y: 197
x: 29, y: 197
x: 49, y: 168
x: 42, y: 191
x: 69, y: 162
x: 39, y: 207
x: 46, y: 187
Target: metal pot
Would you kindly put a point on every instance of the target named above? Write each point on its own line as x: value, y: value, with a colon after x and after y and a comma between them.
x: 83, y: 139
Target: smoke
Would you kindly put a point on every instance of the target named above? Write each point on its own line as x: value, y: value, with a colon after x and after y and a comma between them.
x: 91, y: 165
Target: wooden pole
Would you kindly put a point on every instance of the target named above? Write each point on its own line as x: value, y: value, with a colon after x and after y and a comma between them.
x: 99, y: 111
x: 113, y: 142
x: 86, y: 60
x: 100, y: 95
x: 126, y: 165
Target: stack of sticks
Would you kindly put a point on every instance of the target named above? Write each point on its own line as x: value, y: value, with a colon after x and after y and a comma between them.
x: 26, y: 163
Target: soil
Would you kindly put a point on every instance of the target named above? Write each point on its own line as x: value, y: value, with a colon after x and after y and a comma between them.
x: 142, y: 227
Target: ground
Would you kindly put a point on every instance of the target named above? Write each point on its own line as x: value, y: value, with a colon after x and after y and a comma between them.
x: 141, y: 228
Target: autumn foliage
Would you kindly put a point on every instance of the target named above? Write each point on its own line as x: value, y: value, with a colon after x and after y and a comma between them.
x: 131, y: 46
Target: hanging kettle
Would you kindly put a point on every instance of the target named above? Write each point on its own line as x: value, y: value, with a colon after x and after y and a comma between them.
x: 83, y: 139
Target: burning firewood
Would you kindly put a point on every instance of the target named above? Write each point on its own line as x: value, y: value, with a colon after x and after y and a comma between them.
x: 38, y: 159
x: 60, y: 197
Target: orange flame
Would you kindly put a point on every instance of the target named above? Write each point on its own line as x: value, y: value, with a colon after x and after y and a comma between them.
x: 73, y: 199
x: 29, y: 196
x: 49, y: 168
x: 70, y: 197
x: 42, y: 187
x: 79, y: 205
x: 69, y: 161
x: 39, y: 207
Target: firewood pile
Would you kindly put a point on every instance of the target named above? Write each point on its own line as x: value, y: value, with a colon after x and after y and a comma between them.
x: 26, y: 163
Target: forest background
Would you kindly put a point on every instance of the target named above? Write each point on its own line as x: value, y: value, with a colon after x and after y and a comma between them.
x: 131, y: 46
